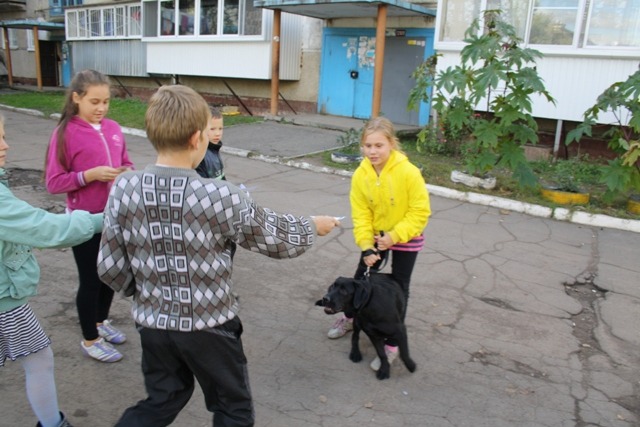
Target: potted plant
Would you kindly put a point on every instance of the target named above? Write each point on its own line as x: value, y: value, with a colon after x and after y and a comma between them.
x: 621, y: 101
x: 350, y: 150
x: 495, y: 71
x: 566, y: 184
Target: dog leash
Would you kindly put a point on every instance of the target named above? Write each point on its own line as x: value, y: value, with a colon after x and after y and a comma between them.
x: 383, y: 262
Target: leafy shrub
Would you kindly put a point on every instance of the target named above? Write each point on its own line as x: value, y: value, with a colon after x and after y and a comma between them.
x: 495, y: 70
x: 622, y: 100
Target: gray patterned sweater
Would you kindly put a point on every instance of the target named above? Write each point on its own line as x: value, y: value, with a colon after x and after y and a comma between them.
x: 166, y: 241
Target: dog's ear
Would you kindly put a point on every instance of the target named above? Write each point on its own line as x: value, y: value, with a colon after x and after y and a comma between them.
x: 362, y: 293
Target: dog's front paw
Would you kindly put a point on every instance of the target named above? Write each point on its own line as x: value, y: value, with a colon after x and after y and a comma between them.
x: 355, y: 356
x: 411, y: 365
x: 383, y: 373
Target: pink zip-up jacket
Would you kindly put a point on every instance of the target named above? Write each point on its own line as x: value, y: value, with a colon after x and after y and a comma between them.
x: 86, y: 148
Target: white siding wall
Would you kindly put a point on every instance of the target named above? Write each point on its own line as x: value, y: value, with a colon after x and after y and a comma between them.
x: 249, y: 59
x: 114, y: 57
x: 575, y: 82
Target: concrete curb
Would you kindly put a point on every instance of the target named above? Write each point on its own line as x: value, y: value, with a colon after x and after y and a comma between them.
x: 560, y: 214
x: 23, y: 110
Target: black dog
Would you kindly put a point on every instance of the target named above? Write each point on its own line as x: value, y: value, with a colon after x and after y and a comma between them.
x: 377, y: 305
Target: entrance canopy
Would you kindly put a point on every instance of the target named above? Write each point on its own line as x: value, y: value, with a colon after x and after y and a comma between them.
x: 27, y: 24
x: 334, y: 9
x: 331, y: 9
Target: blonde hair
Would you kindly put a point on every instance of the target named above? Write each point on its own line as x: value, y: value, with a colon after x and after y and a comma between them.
x: 215, y: 113
x: 385, y: 127
x: 174, y: 114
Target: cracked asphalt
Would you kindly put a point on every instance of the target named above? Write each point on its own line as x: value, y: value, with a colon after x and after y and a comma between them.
x: 513, y: 320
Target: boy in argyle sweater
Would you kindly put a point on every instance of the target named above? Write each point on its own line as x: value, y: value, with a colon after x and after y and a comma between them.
x: 166, y: 241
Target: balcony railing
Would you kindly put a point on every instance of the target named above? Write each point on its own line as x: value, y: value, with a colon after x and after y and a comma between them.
x: 56, y: 7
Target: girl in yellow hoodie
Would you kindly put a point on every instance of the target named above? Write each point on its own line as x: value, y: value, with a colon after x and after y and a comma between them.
x: 390, y: 210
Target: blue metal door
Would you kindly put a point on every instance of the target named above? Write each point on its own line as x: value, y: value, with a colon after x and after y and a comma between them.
x: 366, y: 59
x: 66, y: 64
x: 346, y: 77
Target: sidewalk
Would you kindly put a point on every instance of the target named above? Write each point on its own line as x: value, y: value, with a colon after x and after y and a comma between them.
x: 514, y: 319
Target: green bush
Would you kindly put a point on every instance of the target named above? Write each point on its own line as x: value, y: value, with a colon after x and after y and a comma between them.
x: 495, y: 70
x: 622, y: 100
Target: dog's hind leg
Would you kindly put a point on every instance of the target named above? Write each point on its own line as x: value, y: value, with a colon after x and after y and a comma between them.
x: 384, y: 370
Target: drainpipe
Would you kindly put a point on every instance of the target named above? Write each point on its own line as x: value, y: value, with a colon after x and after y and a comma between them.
x: 556, y: 142
x: 275, y: 62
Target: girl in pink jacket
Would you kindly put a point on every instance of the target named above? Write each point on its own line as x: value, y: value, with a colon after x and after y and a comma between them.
x: 86, y: 153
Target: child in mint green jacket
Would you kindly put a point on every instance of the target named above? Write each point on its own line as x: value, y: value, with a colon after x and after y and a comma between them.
x: 21, y: 337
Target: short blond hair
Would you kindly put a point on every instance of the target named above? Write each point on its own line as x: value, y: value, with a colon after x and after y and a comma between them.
x: 385, y: 127
x: 174, y: 114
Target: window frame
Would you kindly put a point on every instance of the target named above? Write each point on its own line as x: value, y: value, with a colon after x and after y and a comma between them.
x: 31, y: 46
x: 579, y: 45
x: 13, y: 39
x: 81, y: 25
x: 588, y: 28
x: 154, y: 7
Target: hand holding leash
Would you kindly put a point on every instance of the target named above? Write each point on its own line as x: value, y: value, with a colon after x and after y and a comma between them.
x: 383, y: 241
x: 376, y: 258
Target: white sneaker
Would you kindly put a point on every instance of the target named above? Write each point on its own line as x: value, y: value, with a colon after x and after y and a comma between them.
x: 340, y: 328
x: 110, y: 333
x: 102, y: 351
x: 391, y: 352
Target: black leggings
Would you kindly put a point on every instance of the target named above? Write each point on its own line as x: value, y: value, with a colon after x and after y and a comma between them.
x: 94, y: 298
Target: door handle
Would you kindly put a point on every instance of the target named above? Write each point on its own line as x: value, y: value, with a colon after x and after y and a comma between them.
x: 353, y: 74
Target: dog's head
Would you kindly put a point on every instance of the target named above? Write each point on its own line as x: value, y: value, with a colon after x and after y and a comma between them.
x: 345, y: 294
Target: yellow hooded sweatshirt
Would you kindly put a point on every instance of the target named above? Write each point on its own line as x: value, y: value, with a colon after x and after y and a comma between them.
x: 396, y: 201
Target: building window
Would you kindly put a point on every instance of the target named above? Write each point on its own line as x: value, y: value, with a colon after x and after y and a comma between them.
x: 231, y: 12
x: 208, y: 17
x: 554, y: 23
x: 30, y: 44
x: 613, y: 23
x: 56, y: 7
x: 252, y: 25
x: 94, y: 23
x: 456, y: 18
x: 134, y: 19
x: 201, y: 18
x: 167, y: 18
x: 103, y: 22
x: 187, y: 14
x: 13, y: 38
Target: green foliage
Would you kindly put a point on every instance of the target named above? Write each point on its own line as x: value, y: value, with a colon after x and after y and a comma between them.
x: 573, y: 174
x: 622, y: 100
x: 496, y: 71
x: 427, y: 141
x: 350, y: 138
x: 127, y: 112
x: 47, y: 102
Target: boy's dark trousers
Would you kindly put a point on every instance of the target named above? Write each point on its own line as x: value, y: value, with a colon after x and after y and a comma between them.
x: 171, y: 360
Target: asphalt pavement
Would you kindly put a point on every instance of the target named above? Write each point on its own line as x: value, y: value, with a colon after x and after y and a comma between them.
x: 514, y: 318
